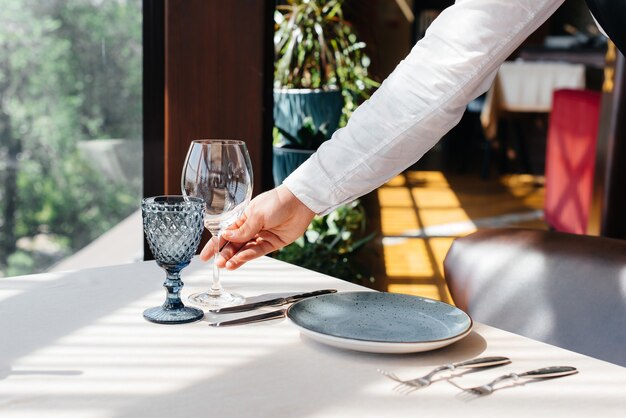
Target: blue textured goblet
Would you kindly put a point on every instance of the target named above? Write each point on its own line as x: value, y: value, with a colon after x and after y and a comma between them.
x: 173, y: 227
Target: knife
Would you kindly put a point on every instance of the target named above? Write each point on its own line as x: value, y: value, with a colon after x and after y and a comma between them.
x: 271, y: 302
x: 281, y: 313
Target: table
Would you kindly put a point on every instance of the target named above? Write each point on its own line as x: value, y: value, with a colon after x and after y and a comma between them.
x: 75, y: 345
x: 527, y: 87
x: 519, y: 99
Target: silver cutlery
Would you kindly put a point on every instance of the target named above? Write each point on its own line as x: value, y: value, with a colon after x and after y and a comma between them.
x: 423, y: 381
x: 272, y: 302
x: 543, y: 373
x: 268, y: 316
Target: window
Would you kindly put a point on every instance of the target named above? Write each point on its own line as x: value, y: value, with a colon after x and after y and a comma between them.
x: 70, y: 127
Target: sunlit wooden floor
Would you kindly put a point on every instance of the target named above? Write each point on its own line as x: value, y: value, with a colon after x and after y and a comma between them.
x: 422, y: 212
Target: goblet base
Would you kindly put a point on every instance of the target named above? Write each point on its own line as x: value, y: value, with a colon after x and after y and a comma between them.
x: 183, y: 315
x: 221, y: 300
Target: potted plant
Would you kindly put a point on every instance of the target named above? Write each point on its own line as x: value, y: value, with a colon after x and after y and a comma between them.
x: 320, y: 74
x: 332, y: 245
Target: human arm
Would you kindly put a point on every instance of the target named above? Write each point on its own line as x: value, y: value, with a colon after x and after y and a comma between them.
x: 419, y: 102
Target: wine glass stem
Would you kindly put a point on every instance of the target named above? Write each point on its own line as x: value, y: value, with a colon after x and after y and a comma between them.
x: 216, y: 287
x: 173, y: 286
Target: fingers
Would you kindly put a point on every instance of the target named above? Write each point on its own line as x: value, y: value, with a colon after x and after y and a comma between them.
x: 263, y: 244
x: 209, y: 249
x: 246, y: 229
x: 227, y: 252
x: 272, y: 220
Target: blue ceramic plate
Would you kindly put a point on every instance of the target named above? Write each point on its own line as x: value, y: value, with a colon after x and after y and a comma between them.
x: 378, y: 322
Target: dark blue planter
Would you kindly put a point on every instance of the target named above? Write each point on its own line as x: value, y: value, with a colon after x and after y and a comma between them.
x: 286, y: 160
x: 291, y: 108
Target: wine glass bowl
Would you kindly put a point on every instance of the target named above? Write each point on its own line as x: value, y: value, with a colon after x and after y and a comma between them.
x: 220, y: 172
x: 173, y: 227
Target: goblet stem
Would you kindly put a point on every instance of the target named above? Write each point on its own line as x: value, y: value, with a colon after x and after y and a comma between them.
x: 173, y: 285
x: 173, y: 311
x: 216, y: 287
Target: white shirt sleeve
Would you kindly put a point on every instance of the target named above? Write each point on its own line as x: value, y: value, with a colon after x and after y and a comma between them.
x: 422, y: 99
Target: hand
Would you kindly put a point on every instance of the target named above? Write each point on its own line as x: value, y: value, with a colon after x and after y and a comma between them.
x: 271, y: 221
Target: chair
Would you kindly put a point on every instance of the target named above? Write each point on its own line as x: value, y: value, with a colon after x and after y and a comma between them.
x: 562, y: 289
x: 570, y: 159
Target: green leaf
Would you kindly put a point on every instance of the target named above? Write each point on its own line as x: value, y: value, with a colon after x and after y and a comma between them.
x: 316, y: 48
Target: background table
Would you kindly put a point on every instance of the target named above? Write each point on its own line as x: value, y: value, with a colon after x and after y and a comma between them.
x: 527, y: 87
x: 515, y: 112
x: 75, y: 344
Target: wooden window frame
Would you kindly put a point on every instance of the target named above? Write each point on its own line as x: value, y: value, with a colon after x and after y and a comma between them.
x: 207, y: 73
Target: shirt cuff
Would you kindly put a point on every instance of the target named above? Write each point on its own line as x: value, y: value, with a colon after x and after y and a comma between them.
x: 313, y: 187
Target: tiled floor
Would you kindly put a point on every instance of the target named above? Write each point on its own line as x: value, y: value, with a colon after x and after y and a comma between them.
x: 420, y: 213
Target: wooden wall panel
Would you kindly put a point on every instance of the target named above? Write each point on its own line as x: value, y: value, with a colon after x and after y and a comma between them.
x: 218, y: 78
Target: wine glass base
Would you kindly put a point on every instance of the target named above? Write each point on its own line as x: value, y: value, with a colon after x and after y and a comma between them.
x: 222, y: 300
x: 158, y: 315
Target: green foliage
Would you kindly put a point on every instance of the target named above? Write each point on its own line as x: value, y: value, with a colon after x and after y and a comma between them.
x: 105, y: 64
x: 19, y: 263
x: 308, y: 137
x: 73, y: 201
x: 332, y: 243
x: 70, y: 70
x: 315, y: 47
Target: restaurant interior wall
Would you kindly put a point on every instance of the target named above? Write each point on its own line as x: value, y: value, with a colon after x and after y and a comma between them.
x: 214, y: 81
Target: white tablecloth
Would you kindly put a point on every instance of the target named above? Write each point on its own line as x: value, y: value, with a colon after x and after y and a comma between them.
x: 75, y: 344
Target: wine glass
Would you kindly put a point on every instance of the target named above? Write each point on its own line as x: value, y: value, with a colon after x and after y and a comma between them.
x: 173, y: 228
x: 218, y: 171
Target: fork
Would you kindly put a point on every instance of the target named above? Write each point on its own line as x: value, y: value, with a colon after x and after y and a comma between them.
x: 543, y: 373
x: 423, y: 381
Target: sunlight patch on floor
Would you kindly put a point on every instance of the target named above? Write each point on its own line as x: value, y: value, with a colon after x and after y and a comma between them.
x: 410, y: 258
x: 424, y: 290
x: 395, y: 197
x: 395, y: 221
x: 435, y: 198
x: 442, y: 216
x: 422, y: 212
